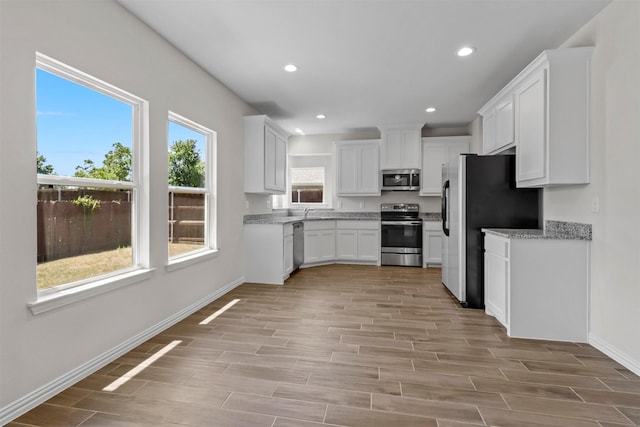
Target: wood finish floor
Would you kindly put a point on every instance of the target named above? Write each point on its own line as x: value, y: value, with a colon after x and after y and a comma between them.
x: 350, y: 346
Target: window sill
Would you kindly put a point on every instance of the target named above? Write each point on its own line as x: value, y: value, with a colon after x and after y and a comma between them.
x: 195, y: 258
x: 69, y: 296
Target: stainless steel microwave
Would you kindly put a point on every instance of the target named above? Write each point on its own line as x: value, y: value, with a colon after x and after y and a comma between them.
x: 400, y: 179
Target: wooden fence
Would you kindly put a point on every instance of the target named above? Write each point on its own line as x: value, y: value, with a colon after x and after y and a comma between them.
x: 186, y: 218
x: 67, y: 229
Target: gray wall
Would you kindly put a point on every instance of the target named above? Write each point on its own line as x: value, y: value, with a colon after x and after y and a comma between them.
x: 104, y: 40
x: 615, y: 153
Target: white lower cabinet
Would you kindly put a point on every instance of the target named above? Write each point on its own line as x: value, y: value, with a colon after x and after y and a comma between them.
x: 319, y: 242
x: 347, y: 244
x: 538, y: 288
x: 269, y: 247
x: 357, y: 241
x: 268, y: 252
x: 432, y: 243
x: 496, y: 280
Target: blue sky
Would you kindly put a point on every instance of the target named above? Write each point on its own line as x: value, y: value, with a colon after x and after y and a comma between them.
x: 76, y: 123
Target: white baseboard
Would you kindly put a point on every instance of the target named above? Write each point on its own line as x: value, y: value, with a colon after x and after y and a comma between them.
x: 622, y: 358
x: 42, y: 394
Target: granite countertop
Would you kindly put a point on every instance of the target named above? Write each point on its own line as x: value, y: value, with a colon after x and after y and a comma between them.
x: 431, y: 216
x: 554, y: 230
x: 279, y: 218
x: 323, y: 215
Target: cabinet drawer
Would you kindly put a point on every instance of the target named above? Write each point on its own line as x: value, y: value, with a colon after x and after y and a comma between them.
x: 497, y: 246
x: 319, y: 225
x: 432, y: 225
x: 357, y: 225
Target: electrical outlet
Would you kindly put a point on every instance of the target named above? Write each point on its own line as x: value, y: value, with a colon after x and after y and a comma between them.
x: 340, y: 204
x: 595, y: 205
x: 246, y: 204
x: 361, y: 205
x: 268, y: 203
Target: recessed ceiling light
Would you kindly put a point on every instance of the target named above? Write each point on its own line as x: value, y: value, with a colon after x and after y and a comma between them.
x: 299, y: 131
x: 466, y: 51
x: 321, y: 116
x: 430, y: 110
x: 290, y: 68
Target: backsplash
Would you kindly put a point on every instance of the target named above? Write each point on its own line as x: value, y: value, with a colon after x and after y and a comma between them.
x: 582, y: 231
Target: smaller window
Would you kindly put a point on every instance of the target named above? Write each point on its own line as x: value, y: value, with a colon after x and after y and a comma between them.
x: 307, y: 185
x: 190, y: 183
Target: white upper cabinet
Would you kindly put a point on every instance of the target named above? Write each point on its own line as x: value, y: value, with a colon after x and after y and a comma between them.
x: 505, y: 124
x: 401, y: 147
x: 544, y: 113
x: 435, y: 153
x: 552, y: 119
x: 265, y: 156
x: 358, y: 168
x: 530, y: 95
x: 498, y: 125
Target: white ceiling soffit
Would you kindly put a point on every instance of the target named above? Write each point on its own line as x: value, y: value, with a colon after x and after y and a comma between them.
x: 364, y: 64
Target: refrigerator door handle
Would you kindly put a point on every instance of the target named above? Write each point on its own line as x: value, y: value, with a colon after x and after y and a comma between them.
x: 445, y: 208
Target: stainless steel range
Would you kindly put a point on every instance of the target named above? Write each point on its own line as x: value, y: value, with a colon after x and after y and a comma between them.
x: 401, y: 234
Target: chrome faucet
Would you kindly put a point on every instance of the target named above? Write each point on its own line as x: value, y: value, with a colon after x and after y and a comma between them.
x: 306, y: 211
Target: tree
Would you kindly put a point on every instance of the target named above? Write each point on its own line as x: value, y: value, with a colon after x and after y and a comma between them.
x: 41, y: 166
x: 186, y: 169
x: 116, y: 165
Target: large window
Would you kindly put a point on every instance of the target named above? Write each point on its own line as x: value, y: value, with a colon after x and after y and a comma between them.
x: 191, y: 212
x: 88, y: 152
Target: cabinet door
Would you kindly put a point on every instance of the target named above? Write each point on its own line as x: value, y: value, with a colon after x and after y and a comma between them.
x: 454, y: 150
x: 288, y: 255
x: 434, y: 155
x: 280, y: 163
x: 392, y: 149
x: 311, y: 247
x: 347, y: 244
x: 495, y: 286
x: 411, y: 148
x: 531, y: 127
x: 270, y: 144
x: 433, y: 247
x: 347, y: 169
x: 327, y: 245
x: 489, y: 132
x: 401, y: 148
x: 368, y: 245
x: 504, y: 123
x: 369, y: 170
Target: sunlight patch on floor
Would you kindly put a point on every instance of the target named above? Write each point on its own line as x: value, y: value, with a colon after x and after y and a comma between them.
x: 141, y: 367
x: 219, y: 312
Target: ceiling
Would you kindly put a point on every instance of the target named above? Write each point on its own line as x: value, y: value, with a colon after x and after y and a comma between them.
x: 364, y: 63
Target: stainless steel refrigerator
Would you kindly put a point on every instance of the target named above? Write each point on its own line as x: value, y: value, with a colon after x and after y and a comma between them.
x: 479, y: 192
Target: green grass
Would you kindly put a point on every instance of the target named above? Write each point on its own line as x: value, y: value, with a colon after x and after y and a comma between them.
x: 81, y: 267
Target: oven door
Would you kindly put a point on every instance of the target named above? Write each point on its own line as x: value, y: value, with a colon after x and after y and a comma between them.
x: 401, y: 236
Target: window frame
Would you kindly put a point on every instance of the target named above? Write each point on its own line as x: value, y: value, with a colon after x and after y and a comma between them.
x: 293, y: 204
x: 304, y: 160
x: 65, y: 293
x: 209, y: 248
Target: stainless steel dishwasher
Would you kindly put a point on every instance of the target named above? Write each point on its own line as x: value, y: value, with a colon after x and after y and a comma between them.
x: 298, y: 245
